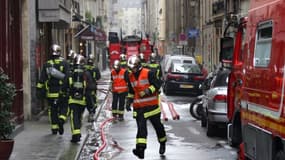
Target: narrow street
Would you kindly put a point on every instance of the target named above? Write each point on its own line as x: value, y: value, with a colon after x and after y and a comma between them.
x: 185, y: 136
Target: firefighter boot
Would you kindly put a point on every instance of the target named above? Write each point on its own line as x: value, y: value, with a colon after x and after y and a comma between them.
x: 139, y: 152
x: 75, y: 138
x: 60, y: 126
x: 54, y: 131
x: 91, y: 117
x: 162, y: 148
x: 121, y: 117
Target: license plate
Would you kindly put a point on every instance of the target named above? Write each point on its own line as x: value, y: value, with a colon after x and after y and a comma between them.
x: 186, y: 86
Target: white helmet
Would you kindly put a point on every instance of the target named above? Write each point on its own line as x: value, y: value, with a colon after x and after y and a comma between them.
x: 134, y: 63
x: 152, y: 57
x: 123, y: 57
x: 56, y: 49
x: 116, y: 65
x: 79, y: 60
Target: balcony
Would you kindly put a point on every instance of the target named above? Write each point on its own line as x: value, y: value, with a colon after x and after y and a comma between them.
x: 57, y: 11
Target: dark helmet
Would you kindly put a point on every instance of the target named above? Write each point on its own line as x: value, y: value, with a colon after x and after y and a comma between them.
x: 79, y: 60
x: 152, y: 57
x: 91, y: 59
x: 141, y: 57
x: 134, y: 63
x: 56, y: 49
x: 116, y: 65
x: 123, y: 57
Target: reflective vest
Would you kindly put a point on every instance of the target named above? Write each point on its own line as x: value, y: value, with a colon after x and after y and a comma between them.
x: 119, y: 82
x: 139, y: 85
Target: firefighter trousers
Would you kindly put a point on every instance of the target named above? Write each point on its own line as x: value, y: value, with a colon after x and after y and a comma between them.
x: 118, y: 104
x: 91, y: 101
x: 76, y: 112
x: 142, y: 115
x: 57, y: 111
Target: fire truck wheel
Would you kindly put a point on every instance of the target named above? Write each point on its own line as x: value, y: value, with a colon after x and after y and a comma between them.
x: 280, y: 155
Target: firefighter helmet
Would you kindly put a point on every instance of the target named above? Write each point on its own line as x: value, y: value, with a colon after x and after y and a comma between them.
x: 56, y: 49
x: 134, y: 63
x: 141, y: 57
x: 79, y: 60
x: 91, y: 59
x: 152, y: 57
x: 71, y: 55
x: 123, y: 57
x: 116, y: 65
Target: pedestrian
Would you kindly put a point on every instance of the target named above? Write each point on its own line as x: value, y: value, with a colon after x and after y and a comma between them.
x: 77, y: 97
x: 142, y: 60
x: 123, y: 60
x: 52, y: 85
x: 93, y: 75
x: 119, y: 78
x: 143, y: 88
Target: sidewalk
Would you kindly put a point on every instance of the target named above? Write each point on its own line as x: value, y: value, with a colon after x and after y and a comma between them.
x: 35, y: 142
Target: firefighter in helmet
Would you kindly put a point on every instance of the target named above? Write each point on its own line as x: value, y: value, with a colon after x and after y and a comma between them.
x: 154, y: 65
x: 93, y: 75
x: 119, y: 78
x: 142, y: 60
x: 143, y: 88
x: 123, y: 60
x: 77, y: 99
x: 53, y: 85
x: 70, y: 58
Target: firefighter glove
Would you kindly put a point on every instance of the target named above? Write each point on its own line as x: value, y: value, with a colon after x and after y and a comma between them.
x: 146, y: 92
x: 40, y: 93
x: 128, y: 104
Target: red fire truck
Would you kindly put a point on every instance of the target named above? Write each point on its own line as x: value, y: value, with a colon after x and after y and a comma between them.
x: 129, y: 45
x: 256, y: 84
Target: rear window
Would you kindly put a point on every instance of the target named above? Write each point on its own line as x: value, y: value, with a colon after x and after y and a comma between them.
x: 221, y: 79
x: 185, y: 68
x: 188, y: 61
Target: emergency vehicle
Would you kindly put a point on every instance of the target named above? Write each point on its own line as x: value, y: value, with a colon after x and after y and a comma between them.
x: 256, y: 85
x: 129, y: 45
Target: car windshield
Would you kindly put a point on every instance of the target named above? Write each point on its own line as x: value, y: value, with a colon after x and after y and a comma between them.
x: 185, y: 68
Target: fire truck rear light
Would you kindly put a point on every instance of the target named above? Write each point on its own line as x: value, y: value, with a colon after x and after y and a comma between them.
x: 198, y: 78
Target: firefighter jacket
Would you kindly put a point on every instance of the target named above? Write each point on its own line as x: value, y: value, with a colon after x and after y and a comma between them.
x: 155, y: 67
x: 54, y: 78
x: 77, y: 86
x: 119, y: 79
x: 123, y: 64
x: 93, y: 75
x: 140, y: 81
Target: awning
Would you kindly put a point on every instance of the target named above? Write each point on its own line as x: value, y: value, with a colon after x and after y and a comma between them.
x: 91, y: 33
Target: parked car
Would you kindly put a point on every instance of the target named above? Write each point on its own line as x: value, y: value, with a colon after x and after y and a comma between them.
x: 169, y: 59
x: 215, y: 103
x: 183, y: 78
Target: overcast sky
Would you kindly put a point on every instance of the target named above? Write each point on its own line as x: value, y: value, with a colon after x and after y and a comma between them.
x: 130, y: 3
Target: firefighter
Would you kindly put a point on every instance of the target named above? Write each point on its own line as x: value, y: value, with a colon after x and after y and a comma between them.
x: 142, y: 60
x: 77, y: 99
x: 154, y: 66
x: 52, y: 85
x: 93, y: 75
x: 119, y: 78
x: 123, y: 60
x: 143, y: 88
x: 70, y: 58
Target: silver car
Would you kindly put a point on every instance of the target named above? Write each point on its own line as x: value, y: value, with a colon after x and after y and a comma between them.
x: 215, y: 103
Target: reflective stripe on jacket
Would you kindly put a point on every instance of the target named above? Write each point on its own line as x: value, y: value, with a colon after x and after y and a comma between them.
x: 119, y: 82
x: 139, y: 85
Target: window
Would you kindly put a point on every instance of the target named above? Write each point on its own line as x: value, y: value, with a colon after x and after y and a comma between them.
x: 263, y: 44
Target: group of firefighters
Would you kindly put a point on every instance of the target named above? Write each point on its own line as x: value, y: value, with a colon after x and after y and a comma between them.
x: 70, y: 85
